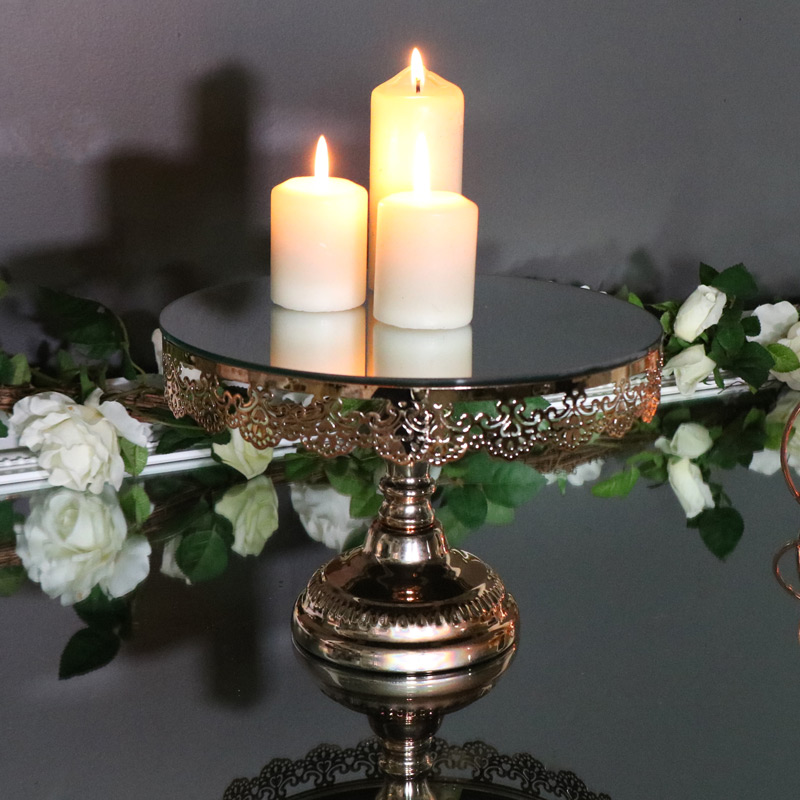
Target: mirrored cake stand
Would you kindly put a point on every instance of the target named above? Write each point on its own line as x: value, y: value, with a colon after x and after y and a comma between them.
x: 405, y: 602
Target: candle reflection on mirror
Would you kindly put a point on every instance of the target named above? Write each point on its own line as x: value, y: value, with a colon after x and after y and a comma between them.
x: 415, y: 353
x: 328, y: 342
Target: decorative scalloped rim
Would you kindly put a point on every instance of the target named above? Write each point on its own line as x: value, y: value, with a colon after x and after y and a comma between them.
x: 421, y: 425
x: 474, y: 763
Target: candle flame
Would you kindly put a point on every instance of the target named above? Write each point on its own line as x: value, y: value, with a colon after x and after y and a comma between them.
x: 321, y: 159
x: 417, y: 71
x: 422, y: 166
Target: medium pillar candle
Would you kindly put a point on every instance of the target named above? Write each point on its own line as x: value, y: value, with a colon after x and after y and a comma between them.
x: 405, y: 353
x: 414, y: 101
x: 318, y: 241
x: 425, y: 255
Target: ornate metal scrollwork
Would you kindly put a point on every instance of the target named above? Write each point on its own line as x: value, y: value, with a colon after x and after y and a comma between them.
x: 473, y: 763
x: 412, y: 425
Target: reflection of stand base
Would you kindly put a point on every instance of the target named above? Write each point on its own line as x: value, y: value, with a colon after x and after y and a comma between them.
x: 405, y: 602
x: 405, y: 711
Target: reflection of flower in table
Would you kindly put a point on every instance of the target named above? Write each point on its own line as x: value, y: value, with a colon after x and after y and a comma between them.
x: 73, y: 541
x: 325, y: 514
x: 252, y: 509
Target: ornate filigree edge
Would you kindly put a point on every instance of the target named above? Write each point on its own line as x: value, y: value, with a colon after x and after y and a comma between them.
x: 474, y: 762
x: 409, y: 426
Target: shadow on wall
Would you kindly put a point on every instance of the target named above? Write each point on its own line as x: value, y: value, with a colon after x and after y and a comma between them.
x: 172, y: 225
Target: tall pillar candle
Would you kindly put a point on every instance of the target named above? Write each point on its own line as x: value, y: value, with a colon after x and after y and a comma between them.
x: 425, y: 255
x: 318, y: 241
x: 414, y: 101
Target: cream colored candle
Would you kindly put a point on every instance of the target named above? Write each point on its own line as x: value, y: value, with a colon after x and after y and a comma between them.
x: 425, y: 255
x: 414, y: 101
x: 318, y: 241
x: 405, y: 353
x: 332, y: 343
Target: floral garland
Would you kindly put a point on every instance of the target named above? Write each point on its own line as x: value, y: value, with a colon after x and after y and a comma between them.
x: 90, y: 540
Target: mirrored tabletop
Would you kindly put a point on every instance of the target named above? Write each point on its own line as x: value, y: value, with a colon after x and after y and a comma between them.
x: 656, y: 659
x: 523, y: 331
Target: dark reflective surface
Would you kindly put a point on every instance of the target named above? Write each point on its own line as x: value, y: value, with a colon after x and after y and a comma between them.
x: 523, y: 331
x: 646, y: 664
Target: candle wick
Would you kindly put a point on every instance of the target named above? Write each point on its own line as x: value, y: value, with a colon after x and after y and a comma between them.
x: 419, y: 86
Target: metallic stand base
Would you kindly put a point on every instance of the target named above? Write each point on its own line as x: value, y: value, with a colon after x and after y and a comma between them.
x: 405, y: 602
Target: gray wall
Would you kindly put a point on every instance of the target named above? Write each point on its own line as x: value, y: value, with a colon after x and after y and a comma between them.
x: 605, y: 141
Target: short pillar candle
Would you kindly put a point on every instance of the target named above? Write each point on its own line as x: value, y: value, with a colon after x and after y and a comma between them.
x: 318, y: 241
x: 425, y: 255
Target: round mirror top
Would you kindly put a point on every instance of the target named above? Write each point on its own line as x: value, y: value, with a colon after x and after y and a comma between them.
x: 523, y: 331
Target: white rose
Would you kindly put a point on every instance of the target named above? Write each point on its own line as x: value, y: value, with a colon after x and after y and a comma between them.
x: 690, y: 366
x: 775, y: 319
x: 792, y: 341
x: 702, y: 309
x: 73, y: 541
x: 687, y: 482
x: 325, y: 514
x: 689, y: 441
x: 590, y: 471
x: 783, y: 408
x: 78, y: 445
x: 169, y: 564
x: 252, y: 509
x: 158, y: 349
x: 243, y: 456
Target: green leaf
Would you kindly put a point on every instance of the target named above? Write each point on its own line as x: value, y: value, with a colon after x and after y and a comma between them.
x: 513, y: 483
x: 499, y: 515
x: 736, y: 281
x: 669, y: 306
x: 720, y: 529
x: 468, y: 504
x: 785, y: 358
x: 667, y: 321
x: 736, y: 445
x: 86, y: 324
x: 454, y: 529
x: 135, y: 504
x: 134, y: 456
x: 3, y: 429
x: 751, y: 325
x: 87, y: 384
x: 536, y: 403
x: 474, y: 408
x: 366, y: 502
x: 754, y: 417
x: 730, y: 333
x: 774, y: 434
x: 100, y: 611
x: 355, y: 538
x: 87, y: 650
x: 299, y: 466
x: 707, y: 274
x: 7, y: 518
x: 14, y: 371
x: 344, y: 481
x: 173, y: 439
x: 617, y: 485
x: 202, y: 555
x: 752, y: 363
x: 651, y: 465
x: 11, y: 578
x: 634, y: 299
